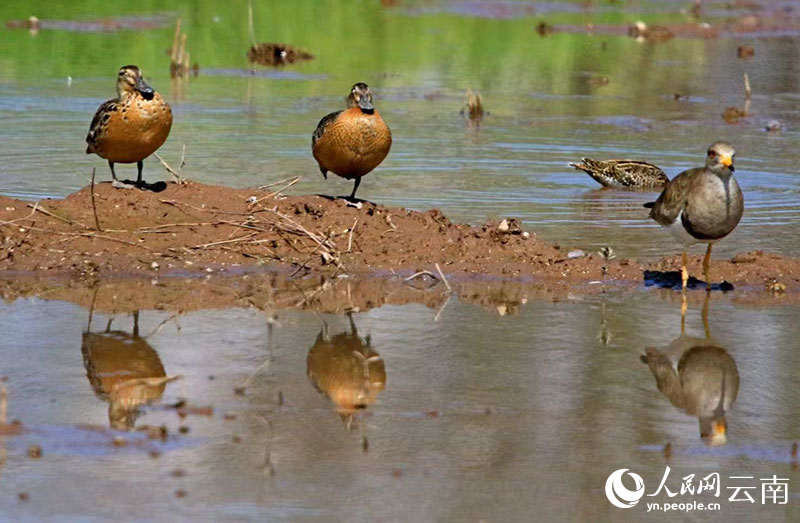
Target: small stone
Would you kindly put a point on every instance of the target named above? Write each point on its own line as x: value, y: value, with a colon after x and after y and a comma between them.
x: 154, y: 266
x: 35, y: 451
x: 526, y: 235
x: 119, y: 441
x: 577, y: 253
x: 774, y: 126
x: 503, y: 227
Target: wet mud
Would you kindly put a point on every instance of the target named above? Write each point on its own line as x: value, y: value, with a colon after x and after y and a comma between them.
x: 200, y: 230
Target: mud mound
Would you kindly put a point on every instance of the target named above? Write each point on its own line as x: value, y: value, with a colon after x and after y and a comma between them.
x: 195, y: 228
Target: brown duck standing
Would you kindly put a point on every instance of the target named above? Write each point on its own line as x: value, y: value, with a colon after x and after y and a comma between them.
x: 701, y: 205
x: 351, y: 143
x: 623, y: 173
x: 132, y: 126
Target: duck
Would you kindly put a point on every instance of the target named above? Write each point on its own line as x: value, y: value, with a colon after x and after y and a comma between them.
x: 701, y: 205
x: 130, y: 127
x: 124, y: 370
x: 347, y: 369
x: 623, y: 173
x: 352, y: 142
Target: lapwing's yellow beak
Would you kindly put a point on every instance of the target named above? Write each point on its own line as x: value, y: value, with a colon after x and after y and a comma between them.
x: 719, y: 433
x: 727, y: 161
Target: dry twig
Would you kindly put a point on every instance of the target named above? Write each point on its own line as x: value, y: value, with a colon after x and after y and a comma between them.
x: 94, y: 206
x: 444, y: 280
x: 180, y: 180
x: 57, y: 217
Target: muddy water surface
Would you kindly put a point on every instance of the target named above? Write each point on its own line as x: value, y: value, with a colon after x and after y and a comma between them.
x: 394, y: 416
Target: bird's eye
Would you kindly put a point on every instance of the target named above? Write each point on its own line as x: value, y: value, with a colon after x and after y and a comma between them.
x: 711, y: 154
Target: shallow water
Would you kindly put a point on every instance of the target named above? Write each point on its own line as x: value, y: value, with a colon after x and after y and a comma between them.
x: 474, y: 415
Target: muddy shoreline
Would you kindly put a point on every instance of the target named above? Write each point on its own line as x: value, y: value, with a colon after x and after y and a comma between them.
x: 195, y: 230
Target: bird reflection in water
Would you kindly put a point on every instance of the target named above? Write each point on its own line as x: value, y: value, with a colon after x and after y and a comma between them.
x: 697, y: 376
x: 124, y: 370
x: 347, y: 370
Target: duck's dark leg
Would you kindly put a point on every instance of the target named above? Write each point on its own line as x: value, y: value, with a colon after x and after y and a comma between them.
x: 353, y: 329
x: 355, y: 188
x: 139, y: 165
x: 136, y: 324
x: 113, y: 174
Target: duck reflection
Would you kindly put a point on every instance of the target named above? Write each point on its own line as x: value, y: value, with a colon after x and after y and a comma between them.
x: 124, y: 370
x: 347, y: 370
x: 699, y: 377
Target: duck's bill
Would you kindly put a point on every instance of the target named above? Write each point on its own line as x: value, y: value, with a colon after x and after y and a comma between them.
x: 366, y: 105
x: 144, y: 89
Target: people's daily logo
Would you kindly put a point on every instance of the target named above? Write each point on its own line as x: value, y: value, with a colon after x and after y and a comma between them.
x: 618, y: 495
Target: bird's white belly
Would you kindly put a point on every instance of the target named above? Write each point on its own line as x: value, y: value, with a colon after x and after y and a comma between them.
x: 679, y: 233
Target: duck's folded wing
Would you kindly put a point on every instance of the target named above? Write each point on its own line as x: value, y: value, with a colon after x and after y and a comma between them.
x: 101, y: 117
x: 322, y: 125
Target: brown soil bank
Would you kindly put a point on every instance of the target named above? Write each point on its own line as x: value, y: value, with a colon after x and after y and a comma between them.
x: 195, y: 228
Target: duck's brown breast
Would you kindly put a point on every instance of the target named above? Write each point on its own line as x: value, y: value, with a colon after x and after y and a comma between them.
x: 353, y: 144
x: 134, y: 130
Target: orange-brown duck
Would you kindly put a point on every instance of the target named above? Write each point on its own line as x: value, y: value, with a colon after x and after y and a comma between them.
x: 351, y: 143
x: 132, y: 126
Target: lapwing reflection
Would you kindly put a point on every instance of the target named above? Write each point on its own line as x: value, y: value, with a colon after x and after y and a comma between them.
x: 699, y: 377
x: 346, y: 369
x: 124, y: 370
